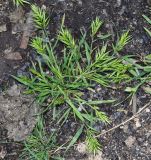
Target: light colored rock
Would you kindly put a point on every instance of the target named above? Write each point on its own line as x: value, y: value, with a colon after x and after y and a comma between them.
x: 13, y: 91
x: 98, y: 156
x: 125, y: 128
x: 147, y: 110
x: 3, y: 28
x: 81, y: 148
x: 119, y: 2
x: 13, y: 56
x: 3, y: 152
x: 137, y: 122
x: 130, y: 141
x: 17, y: 113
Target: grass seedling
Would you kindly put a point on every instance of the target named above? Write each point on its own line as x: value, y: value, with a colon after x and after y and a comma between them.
x: 93, y: 144
x: 39, y: 145
x: 121, y: 42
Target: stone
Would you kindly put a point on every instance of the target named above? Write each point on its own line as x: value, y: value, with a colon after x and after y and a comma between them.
x: 130, y: 141
x: 3, y: 28
x: 98, y: 156
x: 17, y: 113
x: 137, y: 123
x: 3, y: 152
x: 81, y: 148
x: 13, y: 56
x: 119, y: 2
x: 13, y: 91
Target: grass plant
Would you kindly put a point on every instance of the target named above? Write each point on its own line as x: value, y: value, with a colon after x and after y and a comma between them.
x: 70, y: 68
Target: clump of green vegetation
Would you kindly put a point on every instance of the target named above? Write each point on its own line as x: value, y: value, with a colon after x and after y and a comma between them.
x: 140, y: 71
x: 20, y: 2
x: 93, y: 144
x: 140, y: 66
x: 39, y: 145
x: 71, y: 68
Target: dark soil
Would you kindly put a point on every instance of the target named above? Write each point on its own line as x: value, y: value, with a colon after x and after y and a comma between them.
x: 129, y: 142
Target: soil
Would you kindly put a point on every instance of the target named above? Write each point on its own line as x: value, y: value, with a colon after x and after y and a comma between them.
x: 129, y: 142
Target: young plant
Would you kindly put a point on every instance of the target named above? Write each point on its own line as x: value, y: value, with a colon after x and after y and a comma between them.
x: 40, y: 18
x: 64, y: 77
x: 121, y: 42
x: 39, y: 145
x: 93, y: 144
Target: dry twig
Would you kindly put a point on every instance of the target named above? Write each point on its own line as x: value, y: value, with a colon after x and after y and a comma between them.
x: 128, y: 120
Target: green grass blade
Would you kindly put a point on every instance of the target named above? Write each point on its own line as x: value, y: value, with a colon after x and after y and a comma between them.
x: 100, y: 102
x: 148, y: 31
x: 76, y: 137
x: 147, y: 19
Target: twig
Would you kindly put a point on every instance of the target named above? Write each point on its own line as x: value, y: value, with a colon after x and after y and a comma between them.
x: 61, y: 147
x: 128, y: 120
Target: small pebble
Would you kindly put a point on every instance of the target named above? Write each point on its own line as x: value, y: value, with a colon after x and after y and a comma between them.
x: 147, y: 110
x: 137, y: 122
x: 119, y: 2
x: 13, y: 56
x: 3, y: 28
x: 81, y: 148
x: 130, y: 141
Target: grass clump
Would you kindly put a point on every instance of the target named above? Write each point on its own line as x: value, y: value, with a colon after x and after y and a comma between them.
x: 80, y: 67
x: 72, y: 67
